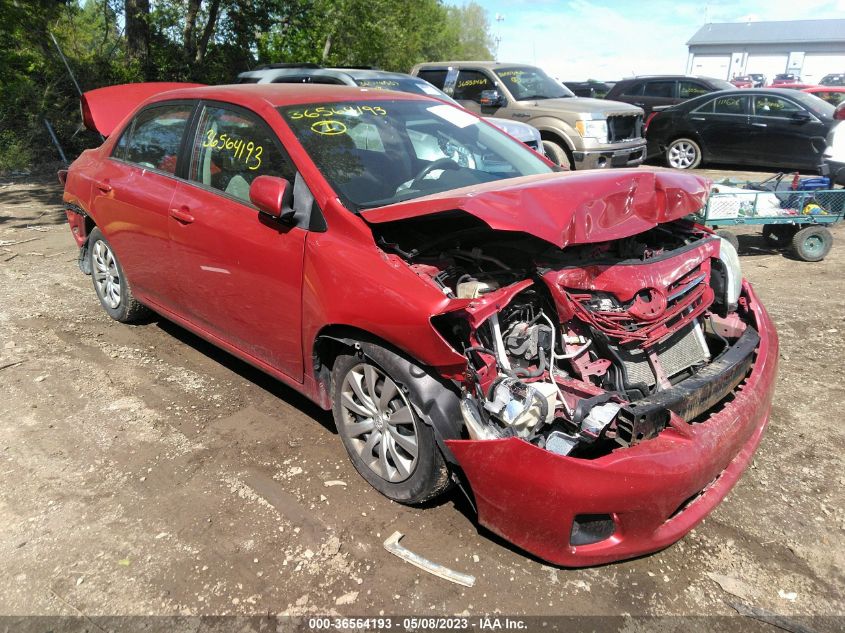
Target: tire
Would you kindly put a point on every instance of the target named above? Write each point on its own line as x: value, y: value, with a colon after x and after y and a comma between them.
x: 812, y: 244
x: 730, y: 237
x: 779, y: 235
x: 683, y: 153
x: 110, y: 282
x: 557, y: 154
x: 369, y: 428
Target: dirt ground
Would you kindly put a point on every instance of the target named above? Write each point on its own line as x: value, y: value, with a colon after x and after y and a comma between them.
x: 145, y: 472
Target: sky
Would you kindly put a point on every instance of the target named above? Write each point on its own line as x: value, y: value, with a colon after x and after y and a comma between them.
x: 582, y: 39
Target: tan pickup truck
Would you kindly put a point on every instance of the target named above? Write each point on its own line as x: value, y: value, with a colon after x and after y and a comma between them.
x: 577, y: 133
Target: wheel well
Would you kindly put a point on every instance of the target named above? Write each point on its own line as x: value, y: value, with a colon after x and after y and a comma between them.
x: 556, y: 138
x: 90, y: 225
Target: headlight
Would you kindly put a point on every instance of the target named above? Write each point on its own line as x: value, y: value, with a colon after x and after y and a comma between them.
x: 592, y: 129
x: 733, y: 283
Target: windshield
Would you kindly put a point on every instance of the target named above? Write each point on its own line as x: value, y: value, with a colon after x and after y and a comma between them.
x: 527, y: 83
x: 375, y: 153
x: 405, y: 84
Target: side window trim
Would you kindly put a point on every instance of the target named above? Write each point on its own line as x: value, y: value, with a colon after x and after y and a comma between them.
x: 183, y: 143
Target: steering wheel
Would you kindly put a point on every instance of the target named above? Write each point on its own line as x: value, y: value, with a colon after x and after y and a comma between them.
x: 440, y: 163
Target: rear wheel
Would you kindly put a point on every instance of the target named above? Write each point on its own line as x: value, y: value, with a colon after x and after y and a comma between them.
x: 373, y: 398
x: 110, y: 281
x: 683, y: 153
x: 812, y: 244
x: 557, y: 154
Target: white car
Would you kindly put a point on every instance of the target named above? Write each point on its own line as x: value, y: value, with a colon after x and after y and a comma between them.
x: 834, y: 153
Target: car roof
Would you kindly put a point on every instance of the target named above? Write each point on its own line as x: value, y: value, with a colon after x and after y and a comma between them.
x: 284, y: 94
x: 483, y: 64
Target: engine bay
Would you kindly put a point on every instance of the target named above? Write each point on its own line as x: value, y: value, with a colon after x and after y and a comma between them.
x: 565, y: 348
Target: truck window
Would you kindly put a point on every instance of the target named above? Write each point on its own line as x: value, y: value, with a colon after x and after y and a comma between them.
x: 634, y: 90
x: 470, y: 84
x: 664, y: 89
x: 434, y: 77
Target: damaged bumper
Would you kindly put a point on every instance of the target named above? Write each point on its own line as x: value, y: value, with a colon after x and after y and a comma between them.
x: 636, y: 500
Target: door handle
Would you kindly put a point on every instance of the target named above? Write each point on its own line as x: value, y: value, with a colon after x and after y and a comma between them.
x: 759, y: 125
x: 182, y: 215
x: 641, y: 105
x: 103, y: 185
x: 698, y: 118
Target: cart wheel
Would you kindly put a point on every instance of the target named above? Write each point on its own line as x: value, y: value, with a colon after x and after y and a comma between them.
x: 779, y: 235
x: 812, y: 243
x: 730, y: 237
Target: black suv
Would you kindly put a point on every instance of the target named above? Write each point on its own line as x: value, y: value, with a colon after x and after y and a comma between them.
x: 664, y: 90
x: 835, y: 79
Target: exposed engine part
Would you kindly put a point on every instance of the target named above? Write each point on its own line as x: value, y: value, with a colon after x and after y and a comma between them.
x: 473, y: 289
x: 561, y: 443
x: 598, y: 419
x: 501, y: 354
x: 527, y: 340
x: 521, y: 407
x: 476, y: 428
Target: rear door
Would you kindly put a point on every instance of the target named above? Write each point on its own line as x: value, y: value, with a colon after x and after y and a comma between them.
x: 723, y: 127
x: 239, y: 272
x: 132, y: 195
x: 783, y: 132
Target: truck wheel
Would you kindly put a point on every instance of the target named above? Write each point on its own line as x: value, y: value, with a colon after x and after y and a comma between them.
x: 557, y: 154
x: 110, y: 282
x: 729, y: 236
x: 373, y: 398
x: 778, y: 235
x: 683, y: 153
x: 812, y: 243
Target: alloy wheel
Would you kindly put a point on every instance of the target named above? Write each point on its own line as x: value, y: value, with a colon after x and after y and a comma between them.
x: 682, y: 155
x: 106, y: 275
x: 380, y: 423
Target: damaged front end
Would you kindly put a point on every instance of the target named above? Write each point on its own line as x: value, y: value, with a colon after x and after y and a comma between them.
x: 593, y: 355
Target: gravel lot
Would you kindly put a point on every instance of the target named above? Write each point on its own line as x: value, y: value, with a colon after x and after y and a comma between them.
x: 146, y: 472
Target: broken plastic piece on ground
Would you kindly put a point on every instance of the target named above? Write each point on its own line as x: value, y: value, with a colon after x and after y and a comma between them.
x: 392, y: 546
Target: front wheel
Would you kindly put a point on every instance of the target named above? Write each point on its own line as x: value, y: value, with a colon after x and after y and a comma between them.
x: 683, y: 153
x: 373, y: 398
x: 557, y: 154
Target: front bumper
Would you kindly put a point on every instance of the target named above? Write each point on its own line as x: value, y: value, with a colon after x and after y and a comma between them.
x: 655, y: 492
x: 602, y: 159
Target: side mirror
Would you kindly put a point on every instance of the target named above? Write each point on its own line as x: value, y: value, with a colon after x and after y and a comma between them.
x: 492, y: 99
x: 270, y: 195
x: 801, y: 116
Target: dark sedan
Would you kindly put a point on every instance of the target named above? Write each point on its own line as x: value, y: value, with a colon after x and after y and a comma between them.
x: 757, y: 126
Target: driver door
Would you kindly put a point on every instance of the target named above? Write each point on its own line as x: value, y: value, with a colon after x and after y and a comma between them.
x: 238, y: 271
x: 468, y: 87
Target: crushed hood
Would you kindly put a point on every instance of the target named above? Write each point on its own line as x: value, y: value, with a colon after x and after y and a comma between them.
x: 567, y: 208
x: 104, y: 108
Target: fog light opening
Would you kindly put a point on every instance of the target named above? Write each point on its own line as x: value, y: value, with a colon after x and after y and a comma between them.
x: 591, y: 528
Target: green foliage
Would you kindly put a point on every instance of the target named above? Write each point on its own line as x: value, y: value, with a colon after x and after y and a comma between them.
x: 224, y: 37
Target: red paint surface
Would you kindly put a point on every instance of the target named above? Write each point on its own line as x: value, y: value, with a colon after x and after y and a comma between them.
x: 530, y: 496
x: 104, y: 108
x: 570, y: 208
x: 266, y: 293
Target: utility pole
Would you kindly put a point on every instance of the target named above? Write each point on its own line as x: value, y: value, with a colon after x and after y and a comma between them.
x: 497, y: 39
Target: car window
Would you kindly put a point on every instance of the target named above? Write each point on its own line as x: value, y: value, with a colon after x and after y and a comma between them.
x: 434, y: 77
x: 730, y: 105
x: 634, y: 90
x: 154, y: 137
x: 659, y: 89
x: 831, y: 97
x: 775, y: 107
x: 690, y: 89
x: 470, y: 84
x: 231, y: 149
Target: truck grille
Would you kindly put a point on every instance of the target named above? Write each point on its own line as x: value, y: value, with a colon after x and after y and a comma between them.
x: 624, y: 127
x: 684, y: 349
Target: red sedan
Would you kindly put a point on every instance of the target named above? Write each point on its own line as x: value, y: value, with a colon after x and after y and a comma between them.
x: 585, y: 362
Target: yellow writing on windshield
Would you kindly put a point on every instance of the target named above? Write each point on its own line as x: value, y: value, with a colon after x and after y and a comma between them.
x: 346, y: 110
x: 328, y: 127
